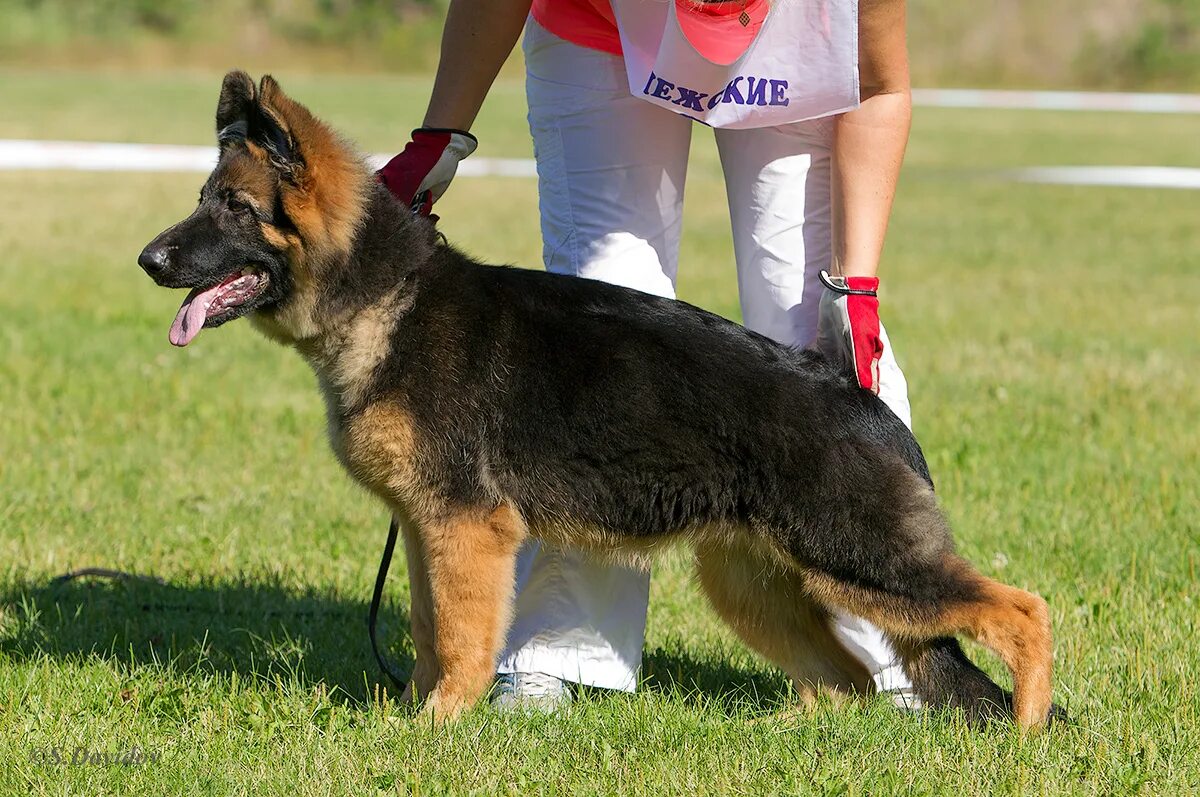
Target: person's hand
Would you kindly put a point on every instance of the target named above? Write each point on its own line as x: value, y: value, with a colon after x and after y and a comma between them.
x: 848, y: 326
x: 420, y: 174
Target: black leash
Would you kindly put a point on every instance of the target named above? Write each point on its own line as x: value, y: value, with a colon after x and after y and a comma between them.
x: 394, y: 529
x: 373, y: 615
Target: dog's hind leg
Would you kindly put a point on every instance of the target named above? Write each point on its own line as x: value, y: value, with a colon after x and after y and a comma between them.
x: 767, y: 605
x: 944, y: 677
x: 917, y: 590
x: 471, y: 560
x: 1013, y: 623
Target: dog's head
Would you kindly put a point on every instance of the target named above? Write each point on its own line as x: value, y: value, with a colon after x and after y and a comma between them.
x: 284, y: 203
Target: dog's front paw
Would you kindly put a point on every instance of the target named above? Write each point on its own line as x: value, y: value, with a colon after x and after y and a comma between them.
x: 444, y: 705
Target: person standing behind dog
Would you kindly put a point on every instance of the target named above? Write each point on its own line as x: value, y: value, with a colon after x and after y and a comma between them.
x: 811, y: 105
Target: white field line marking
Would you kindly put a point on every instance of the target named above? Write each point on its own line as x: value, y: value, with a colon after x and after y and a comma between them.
x: 17, y: 155
x: 1124, y: 176
x: 1058, y: 100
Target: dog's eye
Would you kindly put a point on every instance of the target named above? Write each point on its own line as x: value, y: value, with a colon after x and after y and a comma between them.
x: 238, y: 206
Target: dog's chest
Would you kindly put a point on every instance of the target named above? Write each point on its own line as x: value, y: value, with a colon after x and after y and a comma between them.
x: 377, y: 447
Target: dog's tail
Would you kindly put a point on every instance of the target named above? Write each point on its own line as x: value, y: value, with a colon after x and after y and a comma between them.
x: 944, y: 678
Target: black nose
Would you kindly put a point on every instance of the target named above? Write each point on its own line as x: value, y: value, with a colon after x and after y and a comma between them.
x: 155, y: 259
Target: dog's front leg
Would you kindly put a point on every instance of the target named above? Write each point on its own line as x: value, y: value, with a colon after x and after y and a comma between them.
x: 425, y: 672
x: 470, y: 557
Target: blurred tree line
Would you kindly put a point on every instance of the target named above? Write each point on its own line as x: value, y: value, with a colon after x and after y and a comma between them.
x: 1134, y: 44
x: 299, y: 19
x: 359, y: 35
x: 1128, y: 44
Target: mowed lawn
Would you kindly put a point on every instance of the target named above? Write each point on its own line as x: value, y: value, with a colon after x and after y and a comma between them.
x: 1049, y: 335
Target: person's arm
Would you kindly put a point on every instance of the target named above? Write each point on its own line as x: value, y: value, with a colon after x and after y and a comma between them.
x: 868, y: 147
x: 476, y: 40
x: 869, y: 141
x: 478, y: 37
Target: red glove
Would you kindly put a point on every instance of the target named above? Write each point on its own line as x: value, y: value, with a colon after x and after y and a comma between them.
x: 848, y: 326
x: 420, y: 174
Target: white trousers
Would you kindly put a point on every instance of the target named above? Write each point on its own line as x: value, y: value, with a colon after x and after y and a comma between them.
x: 611, y: 172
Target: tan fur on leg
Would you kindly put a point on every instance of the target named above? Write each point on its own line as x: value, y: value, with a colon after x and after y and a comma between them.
x: 1016, y: 625
x: 1013, y: 623
x: 768, y: 608
x: 425, y: 672
x: 471, y: 561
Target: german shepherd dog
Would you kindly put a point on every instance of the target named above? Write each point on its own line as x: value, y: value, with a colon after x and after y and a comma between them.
x: 485, y: 405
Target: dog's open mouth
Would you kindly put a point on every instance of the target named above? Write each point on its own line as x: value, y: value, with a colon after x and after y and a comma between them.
x: 208, y: 305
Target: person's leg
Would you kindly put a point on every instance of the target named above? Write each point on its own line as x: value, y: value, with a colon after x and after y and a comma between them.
x: 778, y: 183
x: 610, y: 181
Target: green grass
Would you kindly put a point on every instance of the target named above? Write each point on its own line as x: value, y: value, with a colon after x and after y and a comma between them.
x: 1049, y: 335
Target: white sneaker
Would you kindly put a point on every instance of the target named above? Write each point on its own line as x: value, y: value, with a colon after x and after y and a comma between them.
x: 905, y: 699
x: 530, y: 691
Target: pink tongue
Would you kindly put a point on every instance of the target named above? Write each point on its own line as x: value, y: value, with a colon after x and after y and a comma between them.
x: 190, y: 318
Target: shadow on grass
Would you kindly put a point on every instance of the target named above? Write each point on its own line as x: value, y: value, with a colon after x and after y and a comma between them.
x: 714, y: 678
x: 255, y: 628
x: 261, y: 630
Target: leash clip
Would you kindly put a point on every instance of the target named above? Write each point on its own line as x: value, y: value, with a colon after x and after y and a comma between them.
x: 838, y: 285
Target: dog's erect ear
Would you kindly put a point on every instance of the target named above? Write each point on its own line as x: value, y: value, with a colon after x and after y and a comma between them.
x: 276, y: 126
x: 235, y: 108
x: 263, y: 116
